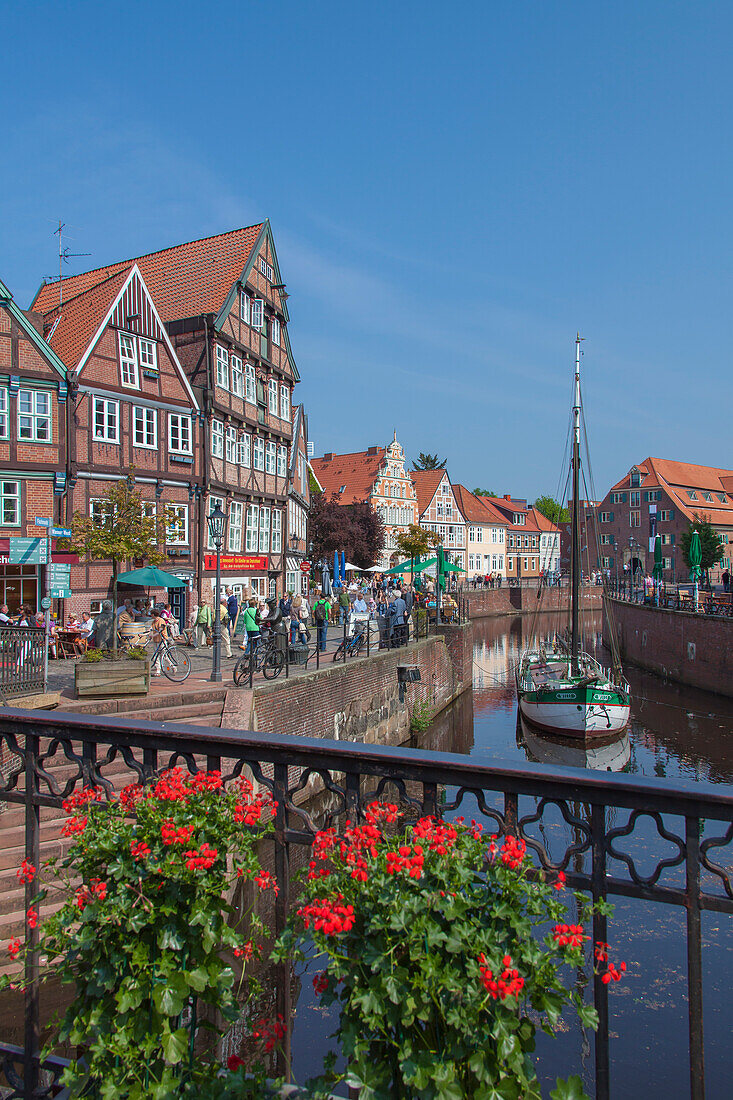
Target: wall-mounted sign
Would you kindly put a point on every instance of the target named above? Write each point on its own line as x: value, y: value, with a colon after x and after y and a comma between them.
x: 60, y: 593
x: 305, y: 567
x: 61, y: 532
x: 28, y: 551
x: 245, y: 563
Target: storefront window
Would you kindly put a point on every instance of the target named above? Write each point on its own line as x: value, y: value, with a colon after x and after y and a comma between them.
x: 19, y: 585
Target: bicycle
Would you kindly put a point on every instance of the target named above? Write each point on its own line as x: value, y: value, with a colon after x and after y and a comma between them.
x: 264, y: 658
x: 353, y: 645
x: 174, y: 663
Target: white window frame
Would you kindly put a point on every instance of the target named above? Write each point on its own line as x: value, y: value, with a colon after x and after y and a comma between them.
x: 231, y: 443
x: 264, y: 536
x: 110, y: 424
x: 244, y: 306
x: 183, y: 427
x: 275, y: 331
x: 237, y: 375
x: 236, y: 509
x: 217, y: 438
x: 258, y: 453
x: 285, y: 405
x: 257, y: 313
x: 176, y: 524
x: 266, y: 269
x: 250, y: 383
x: 143, y: 418
x: 276, y: 533
x: 270, y: 457
x: 10, y: 494
x: 244, y: 453
x: 222, y: 367
x: 37, y: 421
x: 147, y: 353
x: 100, y: 510
x: 4, y: 417
x: 282, y: 460
x: 252, y: 529
x: 272, y: 396
x: 129, y: 373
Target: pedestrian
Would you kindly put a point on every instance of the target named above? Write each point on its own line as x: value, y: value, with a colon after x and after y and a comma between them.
x: 343, y: 605
x: 295, y: 607
x: 251, y: 626
x: 202, y: 623
x: 5, y: 619
x: 226, y: 635
x: 726, y: 580
x: 159, y: 630
x: 397, y: 610
x: 321, y: 611
x: 233, y: 609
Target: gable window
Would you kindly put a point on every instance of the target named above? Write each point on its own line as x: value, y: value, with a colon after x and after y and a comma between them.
x: 272, y: 396
x: 285, y: 402
x: 244, y: 306
x: 145, y: 427
x: 250, y: 380
x: 258, y: 453
x: 275, y: 331
x: 266, y: 269
x: 176, y: 524
x: 722, y: 498
x: 217, y: 439
x: 270, y: 457
x: 235, y: 526
x: 708, y: 497
x: 34, y: 416
x: 243, y: 453
x: 282, y: 461
x: 10, y: 503
x: 277, y: 531
x: 128, y: 360
x: 148, y: 353
x: 4, y: 423
x: 222, y: 367
x: 251, y: 533
x: 212, y: 503
x: 257, y: 313
x: 264, y: 545
x: 106, y: 420
x: 231, y: 444
x: 179, y: 434
x: 237, y: 375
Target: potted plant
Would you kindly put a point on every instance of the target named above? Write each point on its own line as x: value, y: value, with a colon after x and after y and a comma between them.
x: 98, y: 673
x: 444, y: 953
x: 146, y: 935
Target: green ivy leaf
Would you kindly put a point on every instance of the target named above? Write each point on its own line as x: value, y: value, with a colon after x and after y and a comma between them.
x: 197, y: 979
x: 175, y: 1045
x: 572, y: 1089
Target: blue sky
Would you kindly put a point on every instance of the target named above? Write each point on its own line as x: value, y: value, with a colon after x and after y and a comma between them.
x: 453, y: 193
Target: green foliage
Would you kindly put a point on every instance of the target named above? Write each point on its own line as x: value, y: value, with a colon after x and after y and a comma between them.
x: 94, y: 655
x: 137, y: 653
x: 122, y: 530
x: 416, y: 541
x: 484, y: 493
x: 552, y: 509
x: 444, y: 954
x: 144, y: 935
x: 429, y: 462
x: 421, y: 717
x: 711, y: 544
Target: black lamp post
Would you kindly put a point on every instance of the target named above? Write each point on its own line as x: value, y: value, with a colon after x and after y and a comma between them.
x: 217, y: 522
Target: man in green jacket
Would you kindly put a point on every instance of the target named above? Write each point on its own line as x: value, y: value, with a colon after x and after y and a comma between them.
x: 321, y: 611
x: 202, y: 623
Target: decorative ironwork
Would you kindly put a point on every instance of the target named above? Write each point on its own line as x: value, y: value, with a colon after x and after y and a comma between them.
x: 346, y: 777
x: 21, y: 659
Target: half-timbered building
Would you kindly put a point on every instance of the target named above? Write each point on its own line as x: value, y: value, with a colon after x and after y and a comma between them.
x: 296, y: 580
x: 439, y: 512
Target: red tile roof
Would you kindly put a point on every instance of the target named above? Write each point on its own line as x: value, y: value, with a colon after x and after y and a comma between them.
x: 81, y: 317
x: 185, y: 280
x: 476, y: 509
x: 677, y: 477
x: 357, y: 471
x: 426, y: 485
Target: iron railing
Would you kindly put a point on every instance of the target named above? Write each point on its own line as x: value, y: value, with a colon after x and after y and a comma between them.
x: 21, y: 659
x: 600, y: 809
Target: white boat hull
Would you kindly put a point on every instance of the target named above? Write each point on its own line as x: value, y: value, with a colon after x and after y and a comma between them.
x: 576, y: 719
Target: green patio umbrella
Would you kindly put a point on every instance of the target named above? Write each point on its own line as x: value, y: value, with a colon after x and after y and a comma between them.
x: 658, y: 569
x: 695, y: 558
x: 450, y: 568
x: 405, y: 567
x: 150, y: 577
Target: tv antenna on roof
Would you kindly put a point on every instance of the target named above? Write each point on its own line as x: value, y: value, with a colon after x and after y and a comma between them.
x: 64, y: 257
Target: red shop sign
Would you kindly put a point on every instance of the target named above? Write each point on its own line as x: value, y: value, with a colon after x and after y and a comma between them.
x: 245, y: 563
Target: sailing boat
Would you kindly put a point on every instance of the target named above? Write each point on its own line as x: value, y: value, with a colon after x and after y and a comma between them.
x: 565, y: 690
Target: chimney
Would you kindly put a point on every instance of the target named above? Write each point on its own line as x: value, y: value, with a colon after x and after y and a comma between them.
x: 507, y: 496
x: 373, y: 451
x: 328, y: 457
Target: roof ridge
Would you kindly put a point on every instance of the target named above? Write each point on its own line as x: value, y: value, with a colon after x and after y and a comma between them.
x: 120, y: 270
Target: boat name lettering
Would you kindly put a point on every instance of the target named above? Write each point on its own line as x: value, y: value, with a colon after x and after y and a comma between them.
x: 566, y: 695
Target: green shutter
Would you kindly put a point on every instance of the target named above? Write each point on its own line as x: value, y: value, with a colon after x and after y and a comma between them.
x: 611, y: 517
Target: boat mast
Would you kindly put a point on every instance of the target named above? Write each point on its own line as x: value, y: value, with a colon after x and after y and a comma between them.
x: 575, y: 567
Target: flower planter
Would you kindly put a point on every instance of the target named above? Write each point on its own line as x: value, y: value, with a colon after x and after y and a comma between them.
x: 112, y: 678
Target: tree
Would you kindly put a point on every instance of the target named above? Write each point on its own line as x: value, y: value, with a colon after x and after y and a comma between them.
x: 429, y: 462
x: 711, y: 544
x: 354, y: 528
x: 484, y: 493
x: 121, y: 529
x: 551, y: 509
x: 416, y: 541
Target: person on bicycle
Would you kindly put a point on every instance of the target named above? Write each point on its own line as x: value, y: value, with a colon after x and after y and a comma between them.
x: 159, y: 631
x: 252, y: 626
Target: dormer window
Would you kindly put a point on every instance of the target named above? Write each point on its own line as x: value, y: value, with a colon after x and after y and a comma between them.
x: 692, y: 494
x: 708, y: 497
x: 635, y: 478
x: 342, y: 488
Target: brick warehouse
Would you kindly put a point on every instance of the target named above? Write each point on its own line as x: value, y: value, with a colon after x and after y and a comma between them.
x: 191, y: 383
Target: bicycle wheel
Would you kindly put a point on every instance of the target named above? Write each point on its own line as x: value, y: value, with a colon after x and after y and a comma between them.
x: 273, y: 664
x: 338, y: 652
x: 358, y: 644
x: 240, y: 672
x: 175, y: 664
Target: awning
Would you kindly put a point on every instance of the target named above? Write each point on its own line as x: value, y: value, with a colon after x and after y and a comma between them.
x: 292, y: 565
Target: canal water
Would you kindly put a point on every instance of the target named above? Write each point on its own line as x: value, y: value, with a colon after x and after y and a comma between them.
x: 674, y: 733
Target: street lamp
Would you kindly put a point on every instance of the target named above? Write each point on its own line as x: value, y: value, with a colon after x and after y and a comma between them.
x: 217, y: 522
x: 294, y: 542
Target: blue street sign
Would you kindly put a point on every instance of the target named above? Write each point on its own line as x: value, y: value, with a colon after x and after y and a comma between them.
x: 58, y: 573
x: 28, y: 551
x: 43, y: 522
x: 61, y: 532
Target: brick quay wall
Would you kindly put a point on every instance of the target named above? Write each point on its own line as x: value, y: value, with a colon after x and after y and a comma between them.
x: 678, y: 645
x: 486, y: 602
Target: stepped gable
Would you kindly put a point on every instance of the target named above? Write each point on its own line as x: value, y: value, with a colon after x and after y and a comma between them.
x: 356, y: 472
x: 185, y: 281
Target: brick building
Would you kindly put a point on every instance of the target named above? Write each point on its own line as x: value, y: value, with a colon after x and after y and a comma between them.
x: 532, y: 541
x: 439, y: 512
x: 222, y: 303
x: 486, y: 531
x: 376, y: 477
x: 33, y: 403
x: 661, y: 497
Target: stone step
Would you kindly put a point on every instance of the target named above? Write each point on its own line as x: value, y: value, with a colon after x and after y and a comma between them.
x: 130, y: 705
